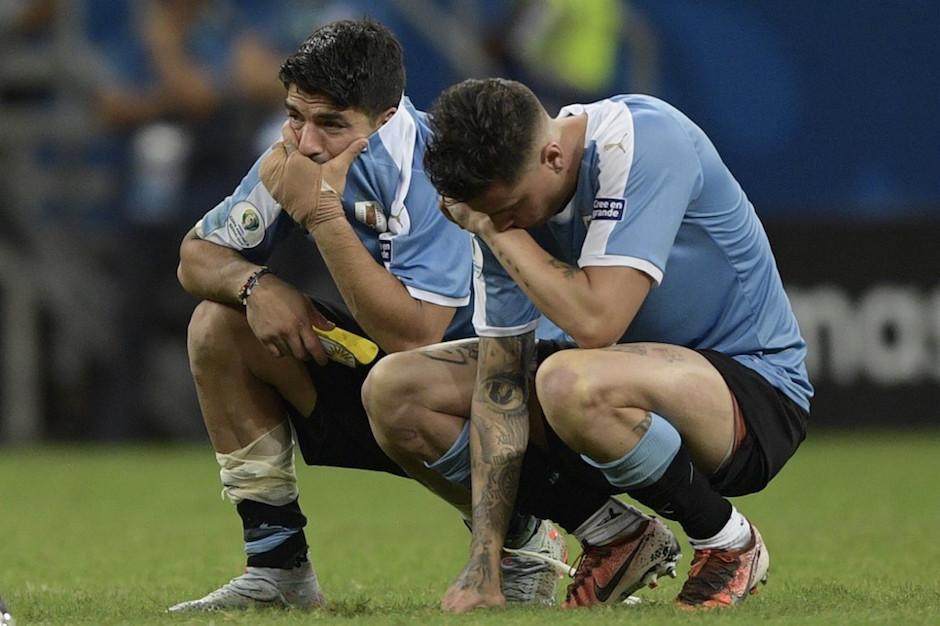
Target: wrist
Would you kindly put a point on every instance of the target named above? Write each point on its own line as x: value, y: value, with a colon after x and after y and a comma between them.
x: 251, y: 283
x: 330, y: 208
x: 487, y: 232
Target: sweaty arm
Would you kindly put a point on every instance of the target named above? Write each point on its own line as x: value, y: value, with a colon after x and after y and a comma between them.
x: 499, y: 432
x: 378, y: 300
x: 594, y: 304
x: 278, y: 313
x: 212, y: 272
x: 388, y: 313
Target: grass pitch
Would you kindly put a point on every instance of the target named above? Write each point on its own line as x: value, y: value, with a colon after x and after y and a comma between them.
x: 116, y: 535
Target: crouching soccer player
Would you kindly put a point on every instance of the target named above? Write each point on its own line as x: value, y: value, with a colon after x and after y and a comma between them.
x: 619, y: 223
x: 403, y: 271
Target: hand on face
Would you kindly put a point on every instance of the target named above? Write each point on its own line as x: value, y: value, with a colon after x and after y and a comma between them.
x: 461, y: 214
x: 310, y: 193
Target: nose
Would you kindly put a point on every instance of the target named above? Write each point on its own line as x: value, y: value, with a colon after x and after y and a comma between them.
x: 311, y: 144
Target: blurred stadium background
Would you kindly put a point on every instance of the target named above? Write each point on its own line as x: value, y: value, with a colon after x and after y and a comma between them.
x: 122, y: 122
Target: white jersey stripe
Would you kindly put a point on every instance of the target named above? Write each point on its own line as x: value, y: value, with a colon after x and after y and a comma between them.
x: 614, y: 135
x: 398, y: 136
x: 612, y: 260
x: 434, y: 298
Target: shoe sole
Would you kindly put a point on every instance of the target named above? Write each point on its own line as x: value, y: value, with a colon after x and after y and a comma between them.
x: 650, y: 579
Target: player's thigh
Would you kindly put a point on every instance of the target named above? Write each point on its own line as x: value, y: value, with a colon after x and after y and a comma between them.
x: 439, y: 377
x: 675, y: 382
x: 227, y: 356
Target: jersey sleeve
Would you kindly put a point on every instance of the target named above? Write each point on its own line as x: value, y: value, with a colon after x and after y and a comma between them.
x: 430, y: 255
x: 649, y: 173
x: 250, y: 220
x: 500, y: 307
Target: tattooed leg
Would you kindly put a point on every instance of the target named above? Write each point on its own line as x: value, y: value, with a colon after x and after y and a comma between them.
x: 498, y: 438
x: 418, y: 403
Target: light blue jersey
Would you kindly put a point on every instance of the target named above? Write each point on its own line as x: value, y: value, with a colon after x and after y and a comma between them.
x: 393, y: 209
x: 653, y: 194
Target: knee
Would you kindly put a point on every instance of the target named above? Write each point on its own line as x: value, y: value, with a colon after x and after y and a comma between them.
x: 389, y: 395
x: 564, y: 390
x: 575, y: 397
x: 211, y: 333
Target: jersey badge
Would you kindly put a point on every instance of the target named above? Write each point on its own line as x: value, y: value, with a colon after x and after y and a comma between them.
x: 246, y: 225
x: 385, y: 250
x: 370, y: 213
x: 608, y: 209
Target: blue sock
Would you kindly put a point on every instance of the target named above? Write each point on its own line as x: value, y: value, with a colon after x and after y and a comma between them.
x: 647, y: 461
x: 454, y: 465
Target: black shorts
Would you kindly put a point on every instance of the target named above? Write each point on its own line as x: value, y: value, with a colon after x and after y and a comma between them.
x: 338, y: 434
x: 775, y: 427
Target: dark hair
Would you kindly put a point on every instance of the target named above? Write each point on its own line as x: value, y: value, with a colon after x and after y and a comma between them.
x: 483, y: 131
x: 355, y: 63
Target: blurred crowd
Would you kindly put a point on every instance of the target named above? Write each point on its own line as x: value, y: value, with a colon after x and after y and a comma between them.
x: 124, y: 121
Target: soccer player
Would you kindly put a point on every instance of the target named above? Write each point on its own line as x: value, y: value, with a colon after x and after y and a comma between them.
x: 619, y: 223
x: 349, y: 172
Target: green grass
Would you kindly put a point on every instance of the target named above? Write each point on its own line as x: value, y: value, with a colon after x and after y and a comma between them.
x: 115, y: 535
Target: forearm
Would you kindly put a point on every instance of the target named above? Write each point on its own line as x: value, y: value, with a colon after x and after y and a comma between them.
x: 212, y: 272
x: 376, y: 298
x: 498, y: 437
x: 562, y: 292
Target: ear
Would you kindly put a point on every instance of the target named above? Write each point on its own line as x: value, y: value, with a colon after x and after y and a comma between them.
x: 554, y: 157
x: 384, y: 116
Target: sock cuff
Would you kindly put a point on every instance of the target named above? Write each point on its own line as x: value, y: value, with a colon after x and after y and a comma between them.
x: 736, y: 533
x: 454, y: 464
x: 647, y: 461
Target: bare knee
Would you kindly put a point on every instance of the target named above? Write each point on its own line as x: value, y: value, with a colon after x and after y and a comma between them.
x: 392, y: 397
x: 212, y: 335
x: 578, y: 401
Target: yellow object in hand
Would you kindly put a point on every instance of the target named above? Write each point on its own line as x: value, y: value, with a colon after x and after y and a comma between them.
x: 345, y: 347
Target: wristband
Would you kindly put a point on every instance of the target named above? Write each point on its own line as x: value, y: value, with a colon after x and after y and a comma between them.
x: 251, y: 283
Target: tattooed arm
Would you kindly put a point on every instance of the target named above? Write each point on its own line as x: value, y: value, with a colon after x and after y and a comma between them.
x: 594, y: 304
x: 499, y: 433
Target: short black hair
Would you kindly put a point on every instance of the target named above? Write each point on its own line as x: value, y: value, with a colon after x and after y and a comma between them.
x: 355, y: 63
x: 483, y: 132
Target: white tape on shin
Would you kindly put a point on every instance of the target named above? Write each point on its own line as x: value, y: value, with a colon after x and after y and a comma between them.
x: 262, y: 471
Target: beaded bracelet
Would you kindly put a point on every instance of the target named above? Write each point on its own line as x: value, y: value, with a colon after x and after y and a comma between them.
x: 251, y: 283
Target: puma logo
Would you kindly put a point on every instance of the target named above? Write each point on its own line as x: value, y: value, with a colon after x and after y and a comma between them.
x: 619, y: 144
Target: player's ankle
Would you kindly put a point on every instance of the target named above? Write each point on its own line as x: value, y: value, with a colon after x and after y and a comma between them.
x: 734, y: 535
x: 611, y: 522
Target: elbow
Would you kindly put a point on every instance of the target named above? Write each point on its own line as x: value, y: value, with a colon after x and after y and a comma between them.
x: 593, y: 334
x: 182, y: 276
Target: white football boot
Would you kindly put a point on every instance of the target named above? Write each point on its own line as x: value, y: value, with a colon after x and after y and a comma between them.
x: 261, y: 587
x: 531, y: 572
